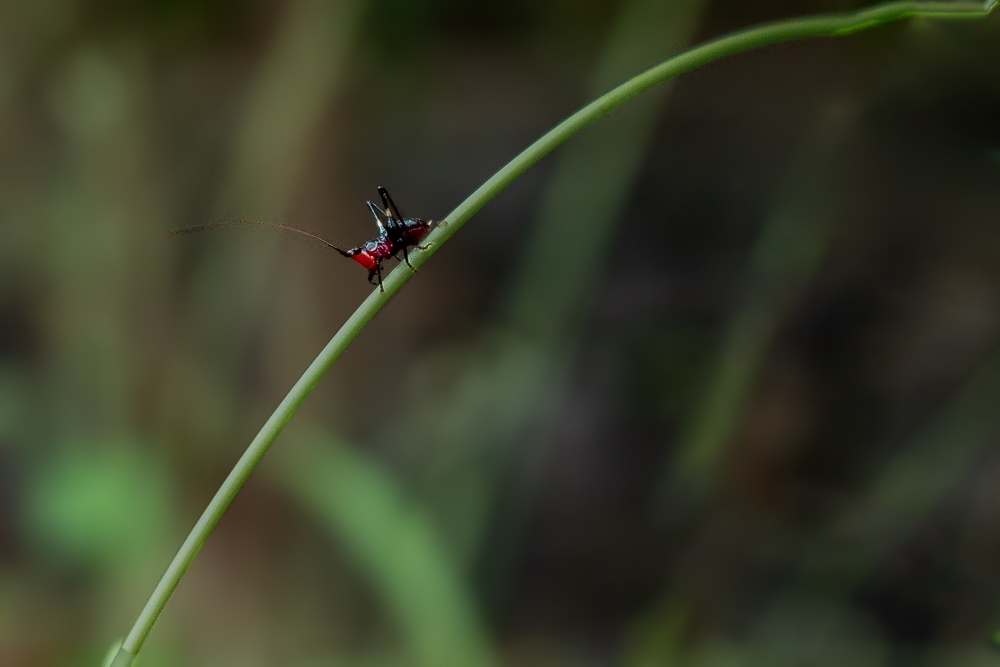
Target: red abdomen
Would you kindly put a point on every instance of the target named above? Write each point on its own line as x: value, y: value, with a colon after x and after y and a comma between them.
x: 416, y: 230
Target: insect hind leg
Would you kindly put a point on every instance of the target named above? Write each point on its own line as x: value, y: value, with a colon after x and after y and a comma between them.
x: 390, y: 206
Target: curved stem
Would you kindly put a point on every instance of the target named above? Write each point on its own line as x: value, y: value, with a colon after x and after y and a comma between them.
x: 743, y: 40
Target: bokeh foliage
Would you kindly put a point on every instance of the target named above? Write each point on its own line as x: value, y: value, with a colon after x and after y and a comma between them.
x: 715, y: 385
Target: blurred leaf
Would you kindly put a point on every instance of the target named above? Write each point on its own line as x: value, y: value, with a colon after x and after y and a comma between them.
x: 784, y: 261
x: 14, y: 403
x: 819, y: 632
x: 913, y: 483
x: 95, y: 500
x: 517, y: 378
x: 656, y: 639
x: 394, y: 543
x: 305, y: 66
x: 90, y: 98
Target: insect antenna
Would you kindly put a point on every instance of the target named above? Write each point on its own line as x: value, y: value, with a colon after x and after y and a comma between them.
x: 375, y: 211
x: 263, y: 224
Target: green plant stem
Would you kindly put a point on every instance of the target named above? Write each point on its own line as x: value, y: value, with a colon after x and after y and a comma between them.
x: 743, y: 40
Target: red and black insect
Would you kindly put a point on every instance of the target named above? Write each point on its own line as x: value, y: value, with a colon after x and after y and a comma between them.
x: 395, y: 234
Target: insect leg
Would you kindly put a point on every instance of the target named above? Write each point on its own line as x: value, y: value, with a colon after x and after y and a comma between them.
x: 393, y: 218
x: 378, y: 269
x: 406, y: 258
x: 390, y: 206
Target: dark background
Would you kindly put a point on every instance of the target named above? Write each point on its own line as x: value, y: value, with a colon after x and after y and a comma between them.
x: 715, y: 384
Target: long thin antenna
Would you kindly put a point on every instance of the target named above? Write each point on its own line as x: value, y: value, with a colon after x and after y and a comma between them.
x: 251, y: 222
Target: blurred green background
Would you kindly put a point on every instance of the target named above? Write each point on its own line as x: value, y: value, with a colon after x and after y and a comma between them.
x: 716, y: 384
